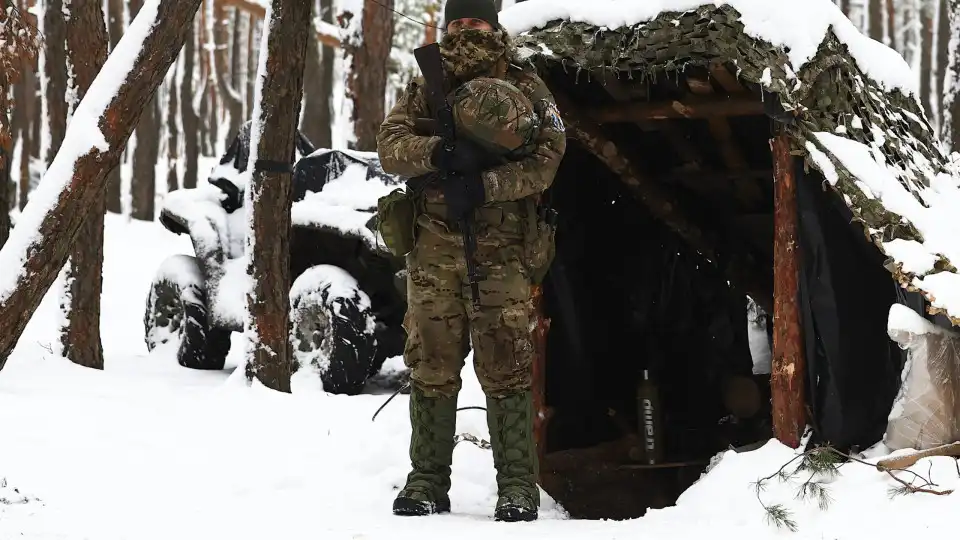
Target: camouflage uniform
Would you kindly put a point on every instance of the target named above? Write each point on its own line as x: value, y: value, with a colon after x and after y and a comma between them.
x: 440, y: 320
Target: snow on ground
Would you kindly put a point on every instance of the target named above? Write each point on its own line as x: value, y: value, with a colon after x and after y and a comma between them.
x: 148, y: 450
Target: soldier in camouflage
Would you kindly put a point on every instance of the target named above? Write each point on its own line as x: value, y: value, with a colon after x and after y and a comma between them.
x: 441, y: 323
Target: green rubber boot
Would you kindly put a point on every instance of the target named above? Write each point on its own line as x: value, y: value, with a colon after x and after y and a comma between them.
x: 510, y: 420
x: 433, y: 422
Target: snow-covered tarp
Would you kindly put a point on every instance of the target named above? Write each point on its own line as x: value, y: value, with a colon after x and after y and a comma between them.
x: 856, y: 115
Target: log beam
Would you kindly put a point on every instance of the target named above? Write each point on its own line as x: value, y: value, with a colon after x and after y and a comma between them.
x: 788, y: 370
x: 688, y: 108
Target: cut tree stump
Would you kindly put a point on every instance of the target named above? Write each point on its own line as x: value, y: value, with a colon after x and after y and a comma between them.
x: 272, y: 144
x: 46, y: 230
x: 788, y: 372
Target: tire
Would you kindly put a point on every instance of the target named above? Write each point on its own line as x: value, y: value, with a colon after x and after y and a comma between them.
x: 177, y: 310
x: 332, y: 329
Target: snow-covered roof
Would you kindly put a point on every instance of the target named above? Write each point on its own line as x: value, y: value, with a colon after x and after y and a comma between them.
x: 857, y: 116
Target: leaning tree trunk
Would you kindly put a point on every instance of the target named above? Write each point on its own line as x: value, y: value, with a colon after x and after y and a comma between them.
x: 6, y: 159
x: 115, y: 10
x: 190, y: 119
x: 272, y: 144
x: 40, y: 244
x: 950, y: 130
x: 80, y: 337
x: 370, y: 72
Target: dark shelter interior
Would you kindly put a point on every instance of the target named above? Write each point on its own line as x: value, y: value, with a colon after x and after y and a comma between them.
x: 630, y: 291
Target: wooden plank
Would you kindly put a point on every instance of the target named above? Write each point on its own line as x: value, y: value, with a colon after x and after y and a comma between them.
x: 788, y: 370
x: 728, y: 81
x: 689, y: 108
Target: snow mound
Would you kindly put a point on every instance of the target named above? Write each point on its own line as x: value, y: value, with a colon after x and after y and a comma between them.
x: 798, y: 26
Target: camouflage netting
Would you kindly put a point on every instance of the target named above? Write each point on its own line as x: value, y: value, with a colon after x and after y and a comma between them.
x: 832, y: 98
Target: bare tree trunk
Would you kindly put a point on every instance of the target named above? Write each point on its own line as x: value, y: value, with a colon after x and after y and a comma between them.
x: 889, y: 26
x: 40, y: 244
x: 926, y: 59
x: 146, y: 153
x: 369, y: 72
x: 252, y: 55
x: 6, y: 160
x: 173, y: 139
x: 273, y: 137
x: 943, y: 57
x: 229, y: 93
x: 325, y: 104
x: 115, y: 184
x: 315, y: 123
x: 26, y: 100
x: 950, y: 131
x: 203, y: 108
x: 55, y: 74
x: 86, y: 36
x: 875, y: 19
x: 191, y: 122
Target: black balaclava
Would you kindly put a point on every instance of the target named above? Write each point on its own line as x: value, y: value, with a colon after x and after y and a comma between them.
x: 484, y: 10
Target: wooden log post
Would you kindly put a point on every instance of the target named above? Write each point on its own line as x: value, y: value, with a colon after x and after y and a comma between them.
x: 788, y: 371
x: 272, y: 144
x: 77, y: 178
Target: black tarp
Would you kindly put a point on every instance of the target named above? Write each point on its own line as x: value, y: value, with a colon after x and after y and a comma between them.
x: 853, y: 367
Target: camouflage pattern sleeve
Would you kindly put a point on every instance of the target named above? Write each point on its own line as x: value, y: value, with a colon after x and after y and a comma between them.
x: 534, y: 173
x: 402, y: 151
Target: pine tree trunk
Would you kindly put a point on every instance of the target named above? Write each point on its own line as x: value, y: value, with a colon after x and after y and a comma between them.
x: 875, y: 19
x: 26, y: 99
x: 173, y: 138
x: 926, y: 59
x: 315, y: 123
x: 229, y: 93
x: 38, y: 249
x: 252, y: 53
x: 87, y: 51
x: 146, y: 153
x: 6, y: 161
x: 55, y: 74
x: 188, y: 114
x: 370, y: 72
x: 325, y: 102
x: 943, y: 57
x: 273, y: 135
x: 115, y: 184
x: 950, y: 131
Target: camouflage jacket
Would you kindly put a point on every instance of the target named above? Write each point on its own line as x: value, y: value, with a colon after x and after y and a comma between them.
x: 405, y: 151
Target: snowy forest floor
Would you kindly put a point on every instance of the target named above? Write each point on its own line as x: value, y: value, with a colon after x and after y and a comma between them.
x: 146, y: 449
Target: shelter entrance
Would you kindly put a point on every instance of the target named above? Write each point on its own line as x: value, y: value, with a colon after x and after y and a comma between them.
x: 666, y: 202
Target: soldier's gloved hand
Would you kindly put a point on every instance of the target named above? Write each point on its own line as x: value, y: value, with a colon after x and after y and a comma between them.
x: 466, y: 157
x: 463, y: 194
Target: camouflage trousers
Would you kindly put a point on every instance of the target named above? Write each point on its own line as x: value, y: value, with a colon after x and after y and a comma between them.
x: 441, y: 322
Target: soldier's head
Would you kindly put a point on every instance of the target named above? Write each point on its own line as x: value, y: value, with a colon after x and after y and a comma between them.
x: 473, y: 14
x: 473, y: 41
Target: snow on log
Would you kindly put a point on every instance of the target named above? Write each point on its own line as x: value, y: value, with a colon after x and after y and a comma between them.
x: 40, y: 243
x: 272, y: 145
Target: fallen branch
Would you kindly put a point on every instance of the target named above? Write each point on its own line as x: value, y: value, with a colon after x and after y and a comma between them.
x: 902, y: 462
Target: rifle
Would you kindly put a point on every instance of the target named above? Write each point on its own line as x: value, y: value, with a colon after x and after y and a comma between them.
x: 431, y: 65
